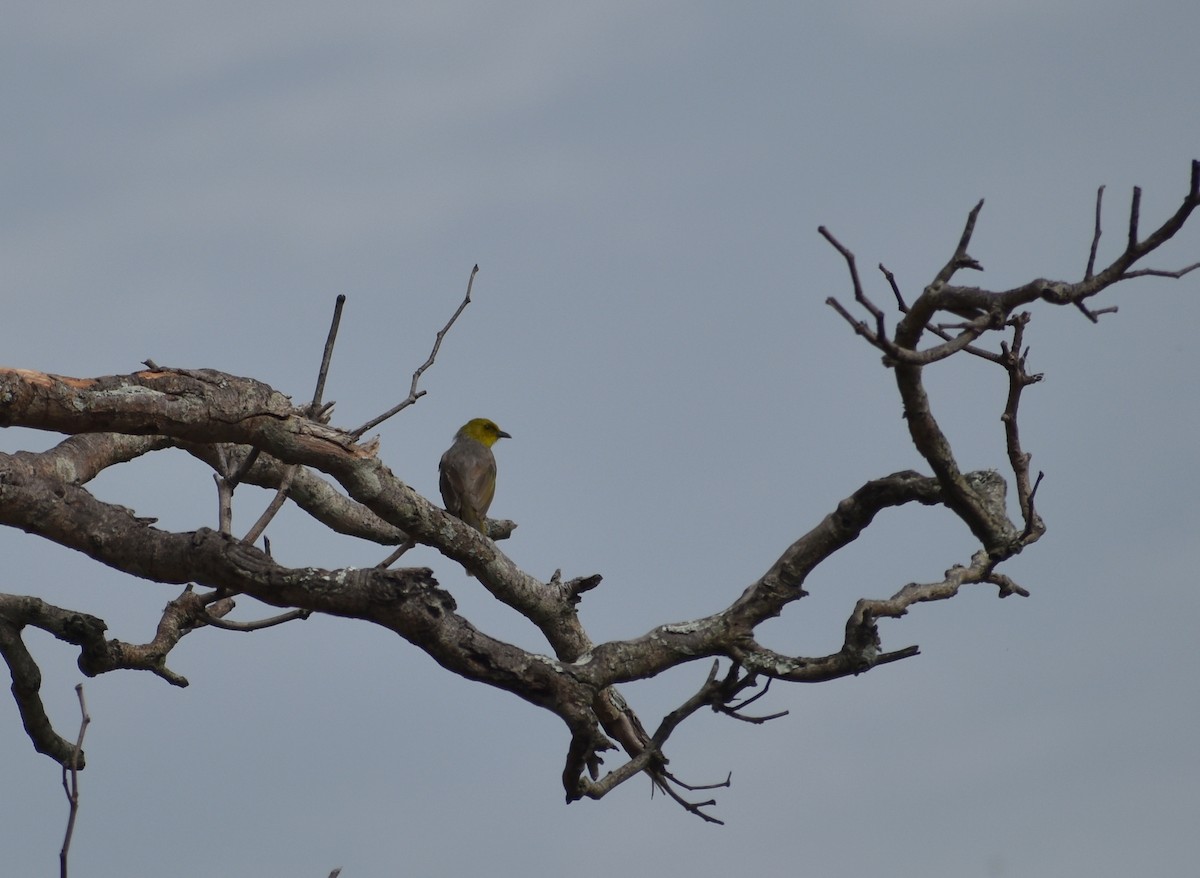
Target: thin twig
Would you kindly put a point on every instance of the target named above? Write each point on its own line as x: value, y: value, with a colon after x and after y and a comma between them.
x: 316, y: 409
x: 1135, y: 209
x: 1013, y: 360
x: 395, y: 556
x: 327, y: 355
x: 273, y: 507
x: 859, y: 326
x: 1157, y: 272
x: 691, y: 807
x: 651, y: 760
x: 735, y: 710
x: 258, y: 624
x: 250, y: 460
x: 859, y: 295
x: 1091, y: 263
x: 953, y: 345
x: 71, y: 783
x: 413, y: 393
x: 891, y: 279
x: 960, y: 259
x: 941, y: 331
x: 1094, y: 316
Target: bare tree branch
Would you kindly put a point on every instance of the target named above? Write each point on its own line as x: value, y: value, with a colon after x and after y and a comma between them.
x: 1090, y: 271
x: 1013, y: 360
x: 289, y: 616
x: 70, y: 782
x: 315, y: 407
x: 1135, y: 208
x: 961, y: 259
x: 245, y: 430
x: 26, y: 683
x: 413, y: 393
x: 273, y: 507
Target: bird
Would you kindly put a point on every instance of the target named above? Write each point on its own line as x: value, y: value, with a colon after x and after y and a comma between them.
x: 468, y: 472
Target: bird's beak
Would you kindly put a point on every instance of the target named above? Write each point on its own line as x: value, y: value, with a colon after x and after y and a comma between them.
x: 504, y: 435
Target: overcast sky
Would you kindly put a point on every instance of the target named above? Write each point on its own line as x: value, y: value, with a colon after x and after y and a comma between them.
x: 641, y: 184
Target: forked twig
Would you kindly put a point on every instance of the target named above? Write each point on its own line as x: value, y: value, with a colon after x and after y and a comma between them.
x: 70, y: 781
x: 1013, y: 359
x: 413, y: 393
x: 960, y: 259
x: 1154, y: 272
x: 880, y: 337
x: 735, y: 710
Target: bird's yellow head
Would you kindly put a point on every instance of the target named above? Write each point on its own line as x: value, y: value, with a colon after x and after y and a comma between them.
x: 482, y: 431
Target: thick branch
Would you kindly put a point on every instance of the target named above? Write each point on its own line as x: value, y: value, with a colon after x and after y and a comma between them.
x: 209, y: 406
x: 730, y: 632
x: 26, y: 684
x: 79, y: 459
x: 405, y: 601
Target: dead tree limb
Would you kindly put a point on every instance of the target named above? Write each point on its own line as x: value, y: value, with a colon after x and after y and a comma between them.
x: 248, y: 431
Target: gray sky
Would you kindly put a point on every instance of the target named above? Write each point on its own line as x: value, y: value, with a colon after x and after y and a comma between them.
x: 640, y: 183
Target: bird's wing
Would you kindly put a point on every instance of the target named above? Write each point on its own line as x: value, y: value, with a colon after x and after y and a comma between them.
x: 468, y: 482
x: 450, y: 486
x: 483, y: 484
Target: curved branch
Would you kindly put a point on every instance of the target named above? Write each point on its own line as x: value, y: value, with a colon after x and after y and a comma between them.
x: 408, y: 602
x: 79, y: 459
x: 730, y: 632
x: 209, y: 406
x: 26, y: 684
